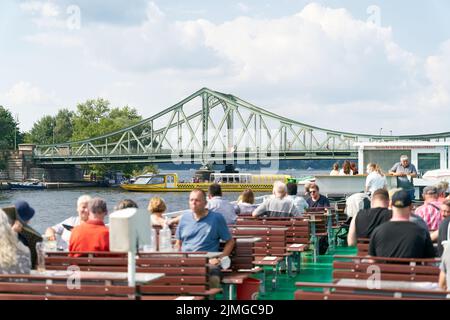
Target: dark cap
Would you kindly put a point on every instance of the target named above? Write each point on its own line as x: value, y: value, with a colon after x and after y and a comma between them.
x: 24, y: 211
x: 401, y: 199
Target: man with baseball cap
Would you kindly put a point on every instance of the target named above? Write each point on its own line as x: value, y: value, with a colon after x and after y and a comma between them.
x: 399, y: 237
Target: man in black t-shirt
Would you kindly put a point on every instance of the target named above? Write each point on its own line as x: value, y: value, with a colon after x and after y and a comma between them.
x: 400, y: 238
x: 316, y: 200
x: 367, y: 220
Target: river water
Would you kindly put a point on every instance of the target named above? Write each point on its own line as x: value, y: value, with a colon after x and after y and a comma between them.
x: 53, y: 206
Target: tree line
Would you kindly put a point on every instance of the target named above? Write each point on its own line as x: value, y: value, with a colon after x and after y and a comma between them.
x: 92, y: 118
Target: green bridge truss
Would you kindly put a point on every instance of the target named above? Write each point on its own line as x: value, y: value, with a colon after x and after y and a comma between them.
x: 210, y: 126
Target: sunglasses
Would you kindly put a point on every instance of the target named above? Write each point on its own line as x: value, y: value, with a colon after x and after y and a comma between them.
x: 313, y: 191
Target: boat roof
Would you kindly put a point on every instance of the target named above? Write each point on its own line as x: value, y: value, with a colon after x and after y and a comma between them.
x: 412, y: 144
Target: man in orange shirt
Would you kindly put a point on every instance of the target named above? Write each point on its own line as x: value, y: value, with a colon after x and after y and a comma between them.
x: 92, y: 235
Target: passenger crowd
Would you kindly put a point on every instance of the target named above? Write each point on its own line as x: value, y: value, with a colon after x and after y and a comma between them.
x: 394, y: 226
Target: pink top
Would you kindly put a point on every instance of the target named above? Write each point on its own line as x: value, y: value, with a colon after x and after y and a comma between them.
x: 431, y: 213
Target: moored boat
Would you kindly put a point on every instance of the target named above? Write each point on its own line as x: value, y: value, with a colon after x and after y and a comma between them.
x: 27, y: 185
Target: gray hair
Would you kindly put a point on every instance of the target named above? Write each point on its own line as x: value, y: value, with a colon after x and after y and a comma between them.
x: 430, y: 190
x: 403, y: 157
x: 83, y: 199
x: 442, y: 187
x: 97, y: 206
x: 279, y: 188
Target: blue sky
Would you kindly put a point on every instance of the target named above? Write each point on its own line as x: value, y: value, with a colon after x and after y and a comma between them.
x: 348, y: 65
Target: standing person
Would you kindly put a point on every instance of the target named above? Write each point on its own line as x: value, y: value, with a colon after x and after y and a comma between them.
x: 299, y: 202
x: 335, y: 170
x: 346, y: 169
x: 354, y: 168
x: 375, y: 178
x: 92, y: 235
x: 64, y: 228
x: 401, y: 238
x: 14, y: 256
x: 316, y: 200
x: 279, y: 205
x: 217, y: 204
x: 201, y: 229
x: 402, y: 170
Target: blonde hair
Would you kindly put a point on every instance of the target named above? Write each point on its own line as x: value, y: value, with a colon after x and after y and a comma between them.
x: 9, y: 243
x: 157, y: 205
x: 375, y: 167
x: 279, y: 189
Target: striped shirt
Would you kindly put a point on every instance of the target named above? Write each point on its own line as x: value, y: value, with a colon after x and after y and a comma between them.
x: 430, y: 212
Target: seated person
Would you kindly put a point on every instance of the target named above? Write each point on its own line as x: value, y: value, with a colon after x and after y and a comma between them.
x: 299, y: 202
x: 14, y: 256
x: 279, y: 205
x: 157, y: 208
x: 413, y: 217
x: 246, y: 203
x: 444, y: 227
x: 92, y: 235
x: 201, y: 229
x: 444, y: 276
x: 366, y: 220
x: 124, y: 204
x: 316, y: 200
x: 399, y: 237
x: 217, y: 204
x: 430, y: 211
x: 63, y: 232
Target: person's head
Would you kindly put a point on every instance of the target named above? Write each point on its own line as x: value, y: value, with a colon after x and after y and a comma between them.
x: 391, y: 194
x: 9, y: 242
x: 314, y: 191
x: 445, y: 208
x: 442, y: 188
x: 430, y: 193
x: 157, y: 206
x: 346, y: 167
x: 336, y: 166
x: 248, y: 196
x: 215, y: 190
x: 404, y: 160
x: 24, y: 211
x: 353, y: 165
x: 197, y: 201
x: 371, y: 167
x: 292, y: 189
x: 380, y: 199
x: 82, y: 207
x: 401, y: 205
x: 127, y: 203
x: 307, y: 186
x: 279, y: 189
x: 97, y: 209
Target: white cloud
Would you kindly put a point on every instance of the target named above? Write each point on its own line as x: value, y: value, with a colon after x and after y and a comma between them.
x: 42, y: 8
x: 243, y: 7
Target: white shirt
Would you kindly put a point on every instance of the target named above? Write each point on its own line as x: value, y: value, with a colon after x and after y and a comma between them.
x: 341, y: 173
x: 375, y: 181
x: 300, y: 203
x: 64, y: 234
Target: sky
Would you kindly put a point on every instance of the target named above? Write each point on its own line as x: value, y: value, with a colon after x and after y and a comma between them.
x: 356, y: 66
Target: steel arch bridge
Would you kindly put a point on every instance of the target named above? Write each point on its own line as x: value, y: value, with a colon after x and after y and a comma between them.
x: 209, y: 126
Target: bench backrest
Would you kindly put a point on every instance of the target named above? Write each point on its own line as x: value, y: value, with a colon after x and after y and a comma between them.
x: 273, y: 238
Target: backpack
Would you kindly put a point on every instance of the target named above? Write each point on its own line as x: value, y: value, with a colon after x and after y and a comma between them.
x: 323, y: 245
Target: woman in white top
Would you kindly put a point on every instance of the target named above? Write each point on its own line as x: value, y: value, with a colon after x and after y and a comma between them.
x: 14, y: 256
x: 335, y: 171
x: 375, y: 179
x: 346, y: 169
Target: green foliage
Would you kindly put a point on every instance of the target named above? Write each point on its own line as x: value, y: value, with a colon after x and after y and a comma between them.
x: 95, y: 117
x: 9, y: 129
x: 147, y: 169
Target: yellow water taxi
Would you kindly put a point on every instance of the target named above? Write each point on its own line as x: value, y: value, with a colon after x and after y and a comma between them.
x: 230, y: 182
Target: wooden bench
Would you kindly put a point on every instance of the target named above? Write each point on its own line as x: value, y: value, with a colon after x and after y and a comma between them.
x: 35, y: 287
x: 395, y: 269
x: 336, y: 291
x: 185, y: 273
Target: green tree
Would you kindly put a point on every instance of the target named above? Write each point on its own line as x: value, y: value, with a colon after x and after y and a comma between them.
x: 63, y: 126
x: 95, y: 117
x: 9, y: 130
x: 42, y: 131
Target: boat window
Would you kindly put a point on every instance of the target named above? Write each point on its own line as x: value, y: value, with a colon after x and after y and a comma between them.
x: 428, y: 161
x: 142, y: 180
x: 156, y: 180
x: 170, y: 179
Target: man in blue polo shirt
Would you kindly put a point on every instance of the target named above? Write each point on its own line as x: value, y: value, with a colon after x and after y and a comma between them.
x: 201, y: 230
